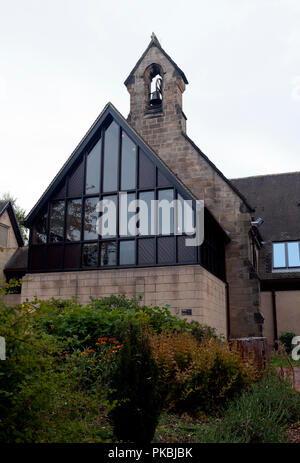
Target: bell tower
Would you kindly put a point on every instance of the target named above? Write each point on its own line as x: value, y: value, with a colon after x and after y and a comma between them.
x: 156, y: 85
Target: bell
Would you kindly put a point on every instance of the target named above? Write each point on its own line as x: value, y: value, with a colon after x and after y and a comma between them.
x: 155, y: 98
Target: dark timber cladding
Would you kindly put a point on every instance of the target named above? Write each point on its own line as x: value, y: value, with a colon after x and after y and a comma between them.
x: 112, y: 159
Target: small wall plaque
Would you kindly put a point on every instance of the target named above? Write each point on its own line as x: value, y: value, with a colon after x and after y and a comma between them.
x: 186, y: 312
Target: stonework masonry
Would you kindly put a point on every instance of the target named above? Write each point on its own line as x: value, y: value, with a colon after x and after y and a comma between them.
x: 182, y: 287
x: 12, y: 245
x: 165, y: 132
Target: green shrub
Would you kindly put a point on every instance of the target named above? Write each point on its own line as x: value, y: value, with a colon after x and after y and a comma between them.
x: 259, y: 415
x: 135, y: 388
x: 199, y: 377
x: 286, y: 339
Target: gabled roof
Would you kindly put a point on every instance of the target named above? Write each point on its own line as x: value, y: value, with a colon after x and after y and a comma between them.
x: 155, y: 43
x: 7, y: 206
x: 276, y: 199
x: 229, y: 182
x: 109, y: 112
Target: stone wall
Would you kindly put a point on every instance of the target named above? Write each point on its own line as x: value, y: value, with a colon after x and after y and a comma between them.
x: 12, y: 245
x: 165, y: 133
x: 182, y: 287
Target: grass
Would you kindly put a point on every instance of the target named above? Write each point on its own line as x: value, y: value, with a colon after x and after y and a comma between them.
x: 276, y: 361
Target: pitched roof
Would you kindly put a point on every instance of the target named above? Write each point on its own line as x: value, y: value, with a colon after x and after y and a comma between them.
x: 7, y: 206
x: 109, y: 111
x: 155, y: 43
x: 276, y: 199
x: 229, y: 182
x: 18, y: 261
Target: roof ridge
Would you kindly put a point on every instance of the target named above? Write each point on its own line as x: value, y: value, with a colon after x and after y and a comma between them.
x: 154, y: 42
x: 266, y: 175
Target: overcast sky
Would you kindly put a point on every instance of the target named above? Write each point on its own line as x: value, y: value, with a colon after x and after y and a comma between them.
x: 61, y: 61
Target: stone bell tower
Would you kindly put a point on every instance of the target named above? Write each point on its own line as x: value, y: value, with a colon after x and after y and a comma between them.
x: 156, y: 85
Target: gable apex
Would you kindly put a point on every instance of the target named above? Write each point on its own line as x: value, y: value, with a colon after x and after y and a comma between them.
x: 155, y: 43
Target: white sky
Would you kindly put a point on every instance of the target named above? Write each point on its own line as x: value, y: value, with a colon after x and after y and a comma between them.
x: 61, y: 61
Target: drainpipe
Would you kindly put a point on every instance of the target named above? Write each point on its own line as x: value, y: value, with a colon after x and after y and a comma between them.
x: 275, y: 318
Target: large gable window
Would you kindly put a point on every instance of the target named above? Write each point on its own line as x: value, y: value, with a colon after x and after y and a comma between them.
x: 286, y: 255
x: 3, y: 235
x: 73, y: 231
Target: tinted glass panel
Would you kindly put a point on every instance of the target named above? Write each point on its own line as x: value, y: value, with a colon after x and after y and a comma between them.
x: 93, y: 163
x: 57, y: 214
x: 38, y: 257
x: 165, y: 212
x: 39, y: 230
x: 127, y: 212
x: 185, y: 253
x: 185, y: 216
x: 75, y: 181
x: 55, y: 257
x: 60, y: 192
x: 73, y: 220
x: 90, y: 219
x: 162, y: 180
x: 279, y: 255
x: 146, y: 251
x: 127, y: 252
x: 108, y: 253
x: 293, y: 254
x: 146, y: 213
x: 72, y: 256
x: 111, y: 156
x: 90, y: 255
x: 108, y: 219
x: 166, y: 250
x: 147, y: 172
x: 128, y: 172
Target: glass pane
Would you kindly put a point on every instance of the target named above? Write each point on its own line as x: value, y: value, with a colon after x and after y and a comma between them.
x: 57, y: 213
x: 185, y: 253
x: 93, y: 170
x: 72, y: 256
x: 111, y: 156
x: 162, y: 180
x: 108, y: 216
x: 39, y: 230
x: 75, y: 181
x: 147, y: 171
x: 60, y: 191
x: 38, y: 257
x: 127, y: 214
x: 128, y: 173
x: 146, y: 213
x: 146, y: 251
x: 279, y: 255
x: 185, y: 216
x: 73, y: 220
x: 166, y: 250
x: 293, y: 254
x: 108, y: 253
x: 90, y: 219
x: 127, y: 252
x: 55, y: 256
x: 165, y: 212
x: 90, y: 255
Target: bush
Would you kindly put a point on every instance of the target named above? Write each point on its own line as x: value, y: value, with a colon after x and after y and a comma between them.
x: 259, y: 415
x: 286, y: 339
x: 199, y: 377
x: 135, y: 388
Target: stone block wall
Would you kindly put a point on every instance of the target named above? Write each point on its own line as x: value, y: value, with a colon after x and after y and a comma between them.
x: 182, y: 287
